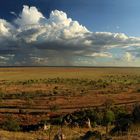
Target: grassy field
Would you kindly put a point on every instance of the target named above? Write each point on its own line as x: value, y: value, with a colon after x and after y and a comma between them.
x: 68, y: 88
x: 24, y: 73
x: 32, y: 94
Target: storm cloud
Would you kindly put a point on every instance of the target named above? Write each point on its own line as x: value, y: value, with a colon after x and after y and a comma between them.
x: 33, y: 39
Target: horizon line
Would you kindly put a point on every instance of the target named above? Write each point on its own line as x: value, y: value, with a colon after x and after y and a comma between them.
x: 71, y: 66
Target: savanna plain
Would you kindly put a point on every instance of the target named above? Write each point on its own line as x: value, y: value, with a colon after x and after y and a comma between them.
x: 72, y: 103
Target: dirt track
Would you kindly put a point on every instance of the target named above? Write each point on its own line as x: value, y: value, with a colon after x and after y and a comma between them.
x: 44, y: 110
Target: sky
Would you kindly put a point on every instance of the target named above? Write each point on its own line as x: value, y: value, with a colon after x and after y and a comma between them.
x: 69, y: 33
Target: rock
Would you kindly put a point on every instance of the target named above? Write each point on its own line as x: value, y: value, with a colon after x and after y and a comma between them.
x: 46, y: 127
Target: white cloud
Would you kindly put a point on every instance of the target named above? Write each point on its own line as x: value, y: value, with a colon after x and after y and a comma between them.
x: 13, y: 13
x: 4, y: 58
x: 102, y: 54
x: 5, y: 28
x: 128, y: 57
x: 40, y: 61
x: 57, y: 38
x: 29, y: 16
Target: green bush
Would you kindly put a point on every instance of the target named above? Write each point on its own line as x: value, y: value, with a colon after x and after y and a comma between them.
x: 11, y: 124
x: 109, y: 117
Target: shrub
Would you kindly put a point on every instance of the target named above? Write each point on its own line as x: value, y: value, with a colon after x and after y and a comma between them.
x: 56, y: 121
x: 138, y: 90
x: 54, y: 108
x: 122, y: 124
x: 11, y: 124
x: 2, y: 95
x: 136, y: 113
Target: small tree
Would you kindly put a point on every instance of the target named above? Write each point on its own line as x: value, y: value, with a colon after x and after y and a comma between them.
x: 109, y: 115
x: 108, y: 104
x: 108, y: 118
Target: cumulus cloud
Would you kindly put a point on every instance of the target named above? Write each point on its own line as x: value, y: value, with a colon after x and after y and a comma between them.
x: 128, y: 57
x: 29, y: 16
x: 5, y: 28
x: 58, y: 40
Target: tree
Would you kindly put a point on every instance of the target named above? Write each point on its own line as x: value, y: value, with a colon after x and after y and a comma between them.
x: 109, y: 115
x: 108, y: 118
x: 108, y: 103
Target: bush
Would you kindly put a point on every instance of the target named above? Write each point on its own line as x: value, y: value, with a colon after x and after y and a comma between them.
x: 138, y: 90
x: 91, y: 135
x: 122, y: 124
x: 54, y: 108
x: 136, y: 113
x: 11, y: 124
x: 56, y: 121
